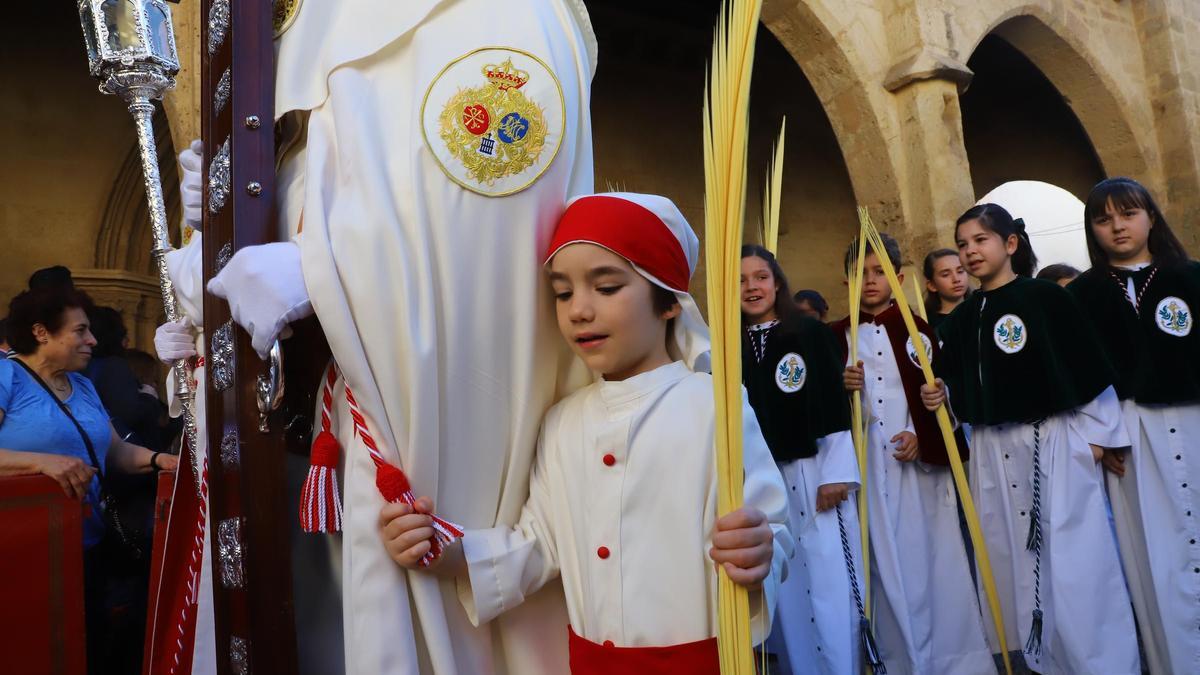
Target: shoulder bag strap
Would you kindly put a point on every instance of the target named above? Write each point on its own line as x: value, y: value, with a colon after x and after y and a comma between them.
x: 87, y: 441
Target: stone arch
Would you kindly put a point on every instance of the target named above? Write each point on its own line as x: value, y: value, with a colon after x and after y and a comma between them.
x: 123, y: 242
x: 1018, y: 126
x: 123, y: 274
x: 825, y: 60
x: 646, y: 128
x: 1092, y: 93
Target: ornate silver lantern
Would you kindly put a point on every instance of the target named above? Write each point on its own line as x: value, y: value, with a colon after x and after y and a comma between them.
x: 125, y: 35
x: 131, y: 50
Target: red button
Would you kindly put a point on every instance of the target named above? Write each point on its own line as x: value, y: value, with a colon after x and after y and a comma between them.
x: 602, y: 552
x: 609, y: 643
x: 609, y: 460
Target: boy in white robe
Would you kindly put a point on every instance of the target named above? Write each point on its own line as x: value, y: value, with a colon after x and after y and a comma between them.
x: 424, y: 222
x: 925, y: 613
x: 623, y: 497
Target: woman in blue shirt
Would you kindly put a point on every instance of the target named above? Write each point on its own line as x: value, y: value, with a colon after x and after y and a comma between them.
x: 50, y: 333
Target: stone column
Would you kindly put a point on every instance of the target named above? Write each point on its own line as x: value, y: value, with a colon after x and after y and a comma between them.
x: 182, y: 104
x: 925, y: 78
x: 1170, y: 45
x: 937, y: 177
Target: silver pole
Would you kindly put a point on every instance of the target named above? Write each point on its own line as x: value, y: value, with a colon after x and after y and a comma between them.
x: 138, y: 87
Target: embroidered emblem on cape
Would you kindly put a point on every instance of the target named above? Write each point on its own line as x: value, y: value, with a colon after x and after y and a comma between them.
x: 791, y: 373
x: 912, y: 351
x: 1173, y: 316
x: 1009, y: 334
x: 494, y: 120
x: 283, y: 15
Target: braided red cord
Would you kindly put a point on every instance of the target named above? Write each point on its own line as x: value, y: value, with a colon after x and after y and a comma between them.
x: 394, y: 485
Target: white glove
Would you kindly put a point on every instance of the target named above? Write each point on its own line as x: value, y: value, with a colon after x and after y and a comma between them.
x: 190, y: 185
x: 264, y: 286
x: 175, y: 340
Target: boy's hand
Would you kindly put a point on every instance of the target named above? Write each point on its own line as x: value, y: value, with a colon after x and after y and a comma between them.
x: 854, y: 377
x: 406, y: 533
x: 906, y: 446
x: 742, y: 544
x: 1097, y: 452
x: 933, y: 395
x: 831, y: 494
x: 1114, y: 461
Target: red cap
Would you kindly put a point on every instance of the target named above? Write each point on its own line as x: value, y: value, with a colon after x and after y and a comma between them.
x: 633, y: 231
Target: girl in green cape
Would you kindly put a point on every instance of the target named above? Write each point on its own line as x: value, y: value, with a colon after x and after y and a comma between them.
x: 1024, y: 367
x: 1140, y: 295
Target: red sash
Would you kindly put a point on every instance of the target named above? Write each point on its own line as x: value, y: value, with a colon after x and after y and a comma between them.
x: 692, y: 658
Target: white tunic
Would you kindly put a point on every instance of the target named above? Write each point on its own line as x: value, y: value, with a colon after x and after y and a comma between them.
x: 1155, y: 506
x: 185, y: 268
x: 925, y: 614
x: 816, y: 630
x: 1088, y: 625
x: 433, y: 301
x: 622, y: 503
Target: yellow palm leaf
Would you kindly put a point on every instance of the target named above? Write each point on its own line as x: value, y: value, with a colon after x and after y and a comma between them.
x: 726, y: 111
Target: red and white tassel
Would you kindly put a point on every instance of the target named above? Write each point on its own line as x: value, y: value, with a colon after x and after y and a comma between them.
x: 394, y: 486
x: 320, y: 503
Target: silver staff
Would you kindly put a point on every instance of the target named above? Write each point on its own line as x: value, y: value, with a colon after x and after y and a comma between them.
x: 131, y: 50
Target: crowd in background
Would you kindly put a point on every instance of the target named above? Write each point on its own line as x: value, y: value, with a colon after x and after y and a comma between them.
x: 81, y: 407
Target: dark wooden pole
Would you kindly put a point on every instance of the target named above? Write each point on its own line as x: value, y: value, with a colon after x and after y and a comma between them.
x: 249, y: 527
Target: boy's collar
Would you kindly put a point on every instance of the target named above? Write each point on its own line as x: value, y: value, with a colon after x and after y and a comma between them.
x: 864, y: 317
x: 617, y: 394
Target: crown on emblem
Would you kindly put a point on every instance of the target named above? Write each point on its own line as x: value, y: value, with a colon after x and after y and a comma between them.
x: 505, y: 76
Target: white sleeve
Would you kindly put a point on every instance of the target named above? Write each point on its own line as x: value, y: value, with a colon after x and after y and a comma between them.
x: 1100, y: 421
x: 912, y: 429
x: 949, y: 410
x: 504, y: 564
x: 185, y: 266
x: 835, y: 455
x: 765, y: 491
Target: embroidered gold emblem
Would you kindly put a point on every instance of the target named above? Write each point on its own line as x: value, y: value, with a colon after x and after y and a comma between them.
x: 501, y: 122
x: 494, y: 130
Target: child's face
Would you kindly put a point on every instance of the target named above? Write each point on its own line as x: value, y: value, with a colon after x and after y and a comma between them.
x: 949, y: 278
x: 983, y: 252
x: 1124, y: 234
x: 758, y: 289
x: 605, y: 312
x: 876, y: 292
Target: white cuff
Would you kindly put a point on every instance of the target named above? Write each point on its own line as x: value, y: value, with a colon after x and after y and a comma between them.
x: 838, y: 462
x: 495, y: 568
x: 185, y: 266
x: 1100, y: 421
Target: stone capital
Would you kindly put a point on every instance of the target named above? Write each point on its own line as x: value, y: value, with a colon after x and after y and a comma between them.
x: 927, y: 65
